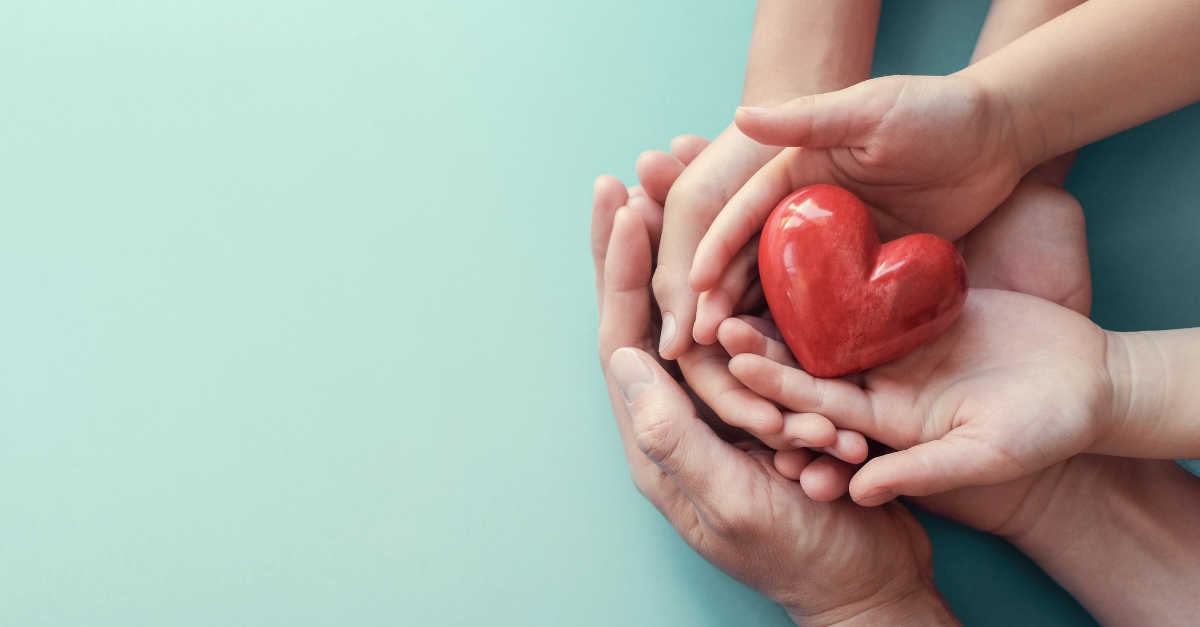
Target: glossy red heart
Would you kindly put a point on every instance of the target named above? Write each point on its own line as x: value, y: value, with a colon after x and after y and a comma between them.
x: 843, y: 302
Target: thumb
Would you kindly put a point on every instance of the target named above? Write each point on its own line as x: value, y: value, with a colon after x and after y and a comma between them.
x: 932, y: 467
x: 667, y: 429
x: 840, y: 118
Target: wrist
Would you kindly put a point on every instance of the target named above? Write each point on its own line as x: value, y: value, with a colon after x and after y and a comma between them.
x: 1022, y: 133
x: 1119, y: 535
x: 919, y: 604
x: 1136, y: 371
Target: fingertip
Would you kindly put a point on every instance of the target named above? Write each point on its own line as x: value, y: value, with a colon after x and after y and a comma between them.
x: 605, y: 183
x: 626, y: 218
x: 711, y: 310
x: 743, y: 365
x: 658, y: 171
x: 848, y: 446
x: 676, y: 336
x: 809, y: 429
x: 868, y: 489
x: 636, y: 191
x: 749, y: 120
x: 732, y: 333
x: 825, y: 479
x: 791, y: 463
x: 876, y: 498
x: 687, y: 147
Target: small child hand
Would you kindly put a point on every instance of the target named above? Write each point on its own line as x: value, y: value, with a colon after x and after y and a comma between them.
x: 1015, y: 385
x: 928, y: 154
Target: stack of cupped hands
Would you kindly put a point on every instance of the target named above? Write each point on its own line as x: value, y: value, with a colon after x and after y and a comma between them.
x: 776, y: 390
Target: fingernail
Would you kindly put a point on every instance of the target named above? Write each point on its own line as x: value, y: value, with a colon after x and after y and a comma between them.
x: 801, y: 443
x: 668, y: 331
x: 632, y: 374
x: 875, y: 497
x: 755, y: 110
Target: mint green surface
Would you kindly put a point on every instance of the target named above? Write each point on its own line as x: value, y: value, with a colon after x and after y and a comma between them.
x: 296, y: 315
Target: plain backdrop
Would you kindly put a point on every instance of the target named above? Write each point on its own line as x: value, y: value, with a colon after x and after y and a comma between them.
x: 297, y: 324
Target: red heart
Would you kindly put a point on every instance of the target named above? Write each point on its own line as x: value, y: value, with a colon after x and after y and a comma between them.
x: 843, y: 302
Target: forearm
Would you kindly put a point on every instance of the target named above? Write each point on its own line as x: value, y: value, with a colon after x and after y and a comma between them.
x: 1156, y: 394
x: 803, y: 47
x: 1100, y: 68
x: 1120, y: 535
x: 1008, y: 20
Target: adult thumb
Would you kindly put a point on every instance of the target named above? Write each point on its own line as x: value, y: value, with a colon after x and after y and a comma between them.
x: 667, y: 429
x: 839, y: 118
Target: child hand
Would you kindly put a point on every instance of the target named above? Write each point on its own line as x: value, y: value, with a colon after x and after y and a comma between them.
x: 928, y: 154
x: 692, y: 197
x: 1015, y: 385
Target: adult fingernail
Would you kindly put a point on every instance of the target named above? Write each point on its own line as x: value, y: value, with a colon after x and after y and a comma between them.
x: 668, y: 331
x: 878, y: 496
x: 632, y: 374
x: 754, y: 110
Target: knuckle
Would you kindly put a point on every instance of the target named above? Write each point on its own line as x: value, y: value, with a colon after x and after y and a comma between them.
x: 655, y: 438
x: 664, y: 282
x: 819, y: 395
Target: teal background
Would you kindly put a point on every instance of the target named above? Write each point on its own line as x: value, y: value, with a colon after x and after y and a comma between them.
x: 296, y: 315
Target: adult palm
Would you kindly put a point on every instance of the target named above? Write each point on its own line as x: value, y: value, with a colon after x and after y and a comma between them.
x: 824, y: 562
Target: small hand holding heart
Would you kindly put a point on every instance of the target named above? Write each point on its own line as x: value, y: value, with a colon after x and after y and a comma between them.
x: 843, y: 302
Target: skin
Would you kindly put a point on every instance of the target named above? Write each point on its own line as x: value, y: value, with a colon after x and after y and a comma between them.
x: 939, y: 154
x: 1070, y: 516
x: 707, y: 373
x: 1039, y: 228
x: 1016, y: 385
x: 727, y: 501
x: 798, y: 47
x: 1117, y: 533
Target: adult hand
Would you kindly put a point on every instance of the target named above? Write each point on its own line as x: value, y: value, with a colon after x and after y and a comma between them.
x: 705, y: 367
x: 1034, y: 242
x: 727, y: 501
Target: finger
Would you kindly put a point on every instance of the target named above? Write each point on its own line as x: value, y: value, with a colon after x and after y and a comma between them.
x: 658, y: 171
x: 716, y: 305
x: 695, y: 199
x: 625, y: 321
x: 808, y: 431
x: 840, y: 401
x: 636, y: 190
x: 687, y: 147
x: 652, y: 214
x: 848, y: 446
x: 738, y: 336
x: 840, y: 118
x: 741, y: 218
x: 933, y: 467
x: 826, y: 478
x: 706, y: 369
x: 668, y: 432
x: 608, y: 194
x: 791, y: 463
x: 625, y: 318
